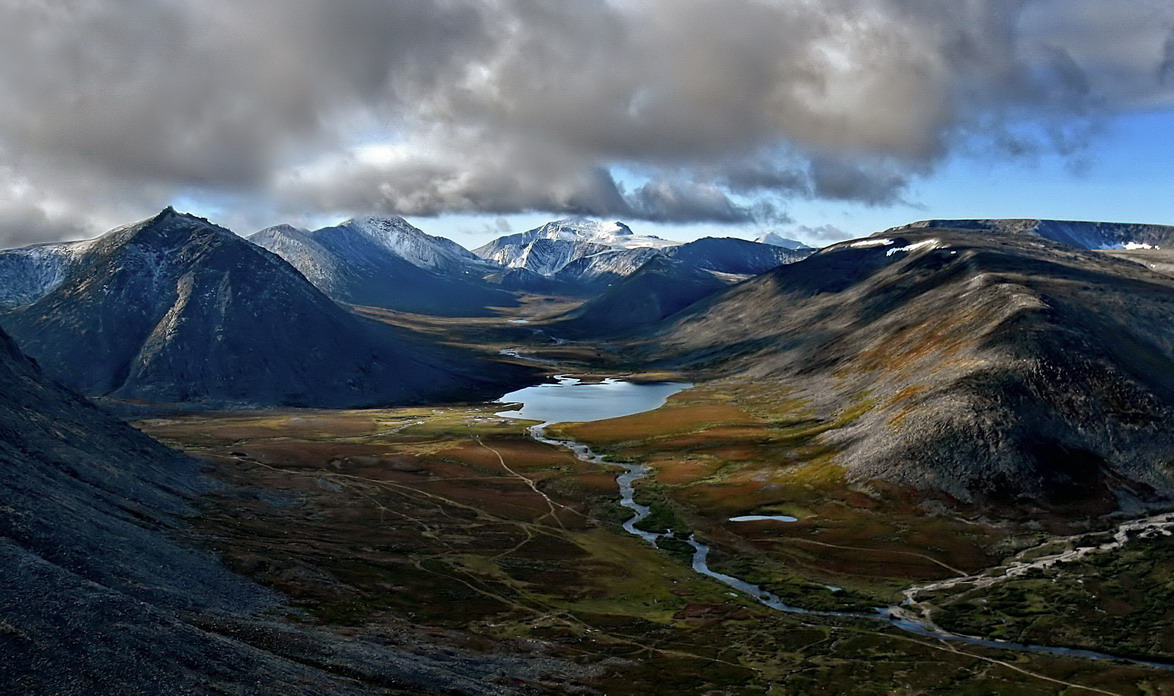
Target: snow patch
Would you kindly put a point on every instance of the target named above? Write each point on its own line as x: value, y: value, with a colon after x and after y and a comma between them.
x: 924, y: 244
x: 866, y: 243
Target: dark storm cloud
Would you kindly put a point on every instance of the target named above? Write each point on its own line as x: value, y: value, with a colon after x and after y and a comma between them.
x: 873, y: 183
x: 723, y: 110
x: 28, y: 224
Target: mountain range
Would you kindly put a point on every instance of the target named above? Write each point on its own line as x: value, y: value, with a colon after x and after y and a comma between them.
x: 586, y: 256
x: 175, y: 309
x: 1017, y: 366
x: 385, y: 262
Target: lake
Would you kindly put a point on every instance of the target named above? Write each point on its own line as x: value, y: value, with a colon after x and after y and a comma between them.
x: 570, y: 400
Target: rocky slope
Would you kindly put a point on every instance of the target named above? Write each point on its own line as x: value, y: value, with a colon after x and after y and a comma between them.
x: 92, y: 583
x: 386, y: 262
x: 175, y: 309
x: 104, y: 591
x: 989, y: 367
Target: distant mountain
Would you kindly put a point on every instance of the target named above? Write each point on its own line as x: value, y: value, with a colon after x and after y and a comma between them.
x: 1086, y: 235
x: 548, y: 249
x: 597, y: 271
x: 175, y: 309
x: 591, y: 255
x: 997, y: 368
x: 735, y: 256
x: 774, y: 239
x: 386, y: 262
x: 660, y: 288
x: 668, y: 281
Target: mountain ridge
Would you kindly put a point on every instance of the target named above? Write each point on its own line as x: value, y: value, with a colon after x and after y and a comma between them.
x: 984, y: 367
x: 1084, y: 234
x: 175, y: 309
x: 386, y: 262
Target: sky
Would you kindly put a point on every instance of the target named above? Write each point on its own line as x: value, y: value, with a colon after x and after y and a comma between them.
x: 816, y: 119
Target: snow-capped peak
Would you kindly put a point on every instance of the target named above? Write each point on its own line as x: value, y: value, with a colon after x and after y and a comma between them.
x: 612, y: 234
x: 396, y: 235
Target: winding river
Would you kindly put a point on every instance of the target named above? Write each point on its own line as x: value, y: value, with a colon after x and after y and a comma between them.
x: 571, y: 400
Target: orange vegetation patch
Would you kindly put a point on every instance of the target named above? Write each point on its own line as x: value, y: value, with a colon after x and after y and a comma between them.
x: 589, y: 484
x: 286, y: 453
x: 668, y: 420
x: 518, y: 455
x: 946, y: 337
x: 721, y: 500
x: 906, y: 394
x: 676, y: 472
x: 835, y: 537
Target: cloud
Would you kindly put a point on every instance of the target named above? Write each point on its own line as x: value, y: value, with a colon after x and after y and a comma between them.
x: 489, y: 181
x: 820, y: 233
x: 1166, y: 67
x: 728, y: 110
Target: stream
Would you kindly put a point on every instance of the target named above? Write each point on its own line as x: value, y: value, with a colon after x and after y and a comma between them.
x: 564, y: 402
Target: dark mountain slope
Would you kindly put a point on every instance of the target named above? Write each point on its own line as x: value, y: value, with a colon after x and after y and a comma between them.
x: 175, y: 309
x: 101, y: 594
x: 385, y: 262
x: 989, y: 367
x: 94, y: 591
x: 662, y: 287
x: 732, y: 255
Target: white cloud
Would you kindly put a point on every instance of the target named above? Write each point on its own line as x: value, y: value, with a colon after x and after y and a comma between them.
x: 504, y: 106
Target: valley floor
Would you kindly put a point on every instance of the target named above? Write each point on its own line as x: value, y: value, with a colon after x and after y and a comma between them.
x: 450, y: 526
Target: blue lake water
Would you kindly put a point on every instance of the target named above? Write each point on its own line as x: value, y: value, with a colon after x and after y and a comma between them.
x: 571, y: 401
x: 763, y: 518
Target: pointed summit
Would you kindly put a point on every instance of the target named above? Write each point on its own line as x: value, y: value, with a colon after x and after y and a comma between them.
x: 168, y: 229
